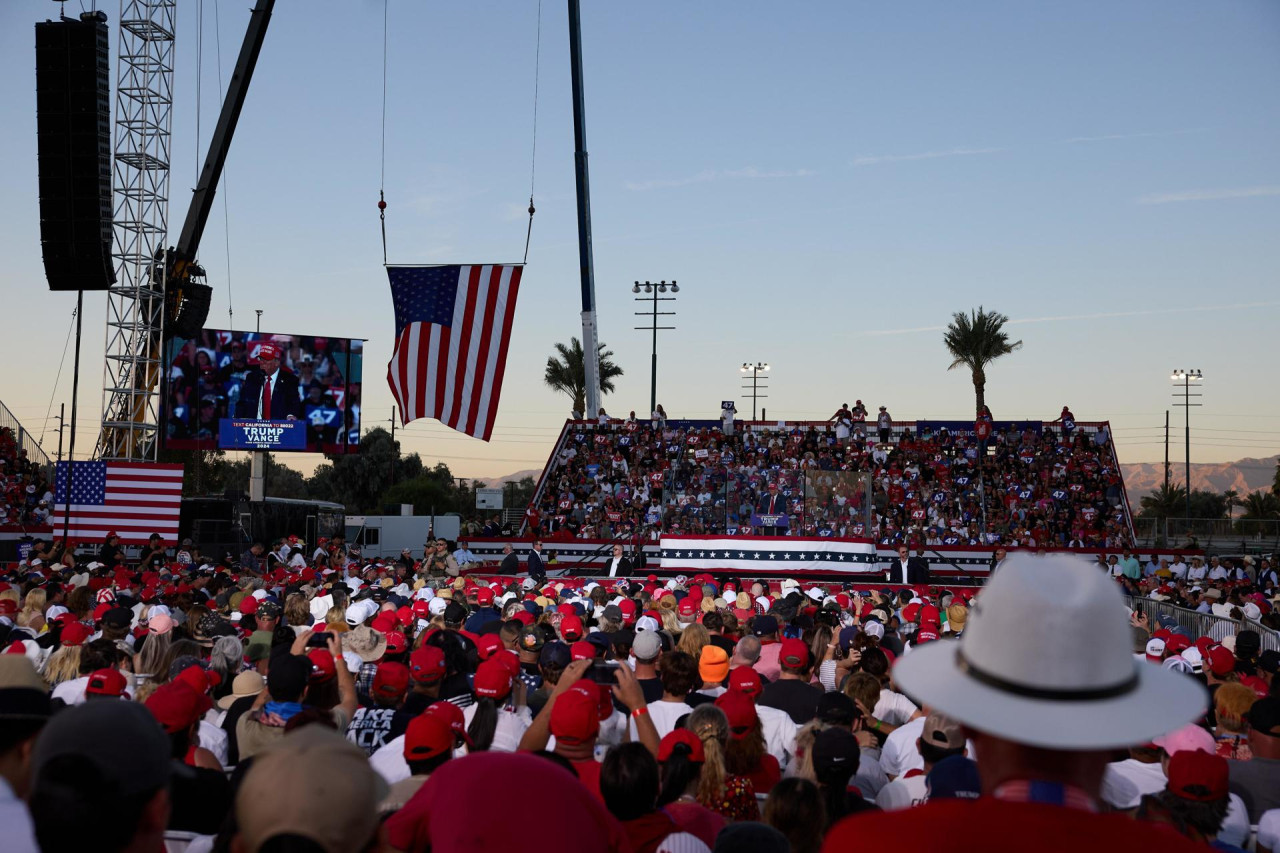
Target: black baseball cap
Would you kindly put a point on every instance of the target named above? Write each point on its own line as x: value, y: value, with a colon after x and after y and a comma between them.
x: 835, y: 756
x: 836, y: 709
x: 1269, y: 661
x: 1264, y: 716
x: 454, y: 613
x: 288, y: 677
x: 764, y: 625
x: 554, y: 654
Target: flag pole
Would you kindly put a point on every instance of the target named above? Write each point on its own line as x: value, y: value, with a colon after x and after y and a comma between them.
x: 590, y: 347
x: 71, y: 449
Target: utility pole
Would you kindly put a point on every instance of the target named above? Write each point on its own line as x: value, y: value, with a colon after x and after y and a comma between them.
x: 1185, y: 378
x: 654, y: 289
x: 1166, y: 451
x: 62, y: 410
x: 755, y: 370
x: 586, y: 263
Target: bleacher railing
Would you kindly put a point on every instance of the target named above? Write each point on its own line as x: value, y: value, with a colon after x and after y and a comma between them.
x: 1247, y: 535
x: 25, y: 439
x: 1202, y: 624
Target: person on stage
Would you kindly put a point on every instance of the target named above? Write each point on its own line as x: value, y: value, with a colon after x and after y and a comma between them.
x: 269, y: 392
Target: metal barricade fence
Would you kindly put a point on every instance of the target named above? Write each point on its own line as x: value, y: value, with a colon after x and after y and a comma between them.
x: 1201, y: 624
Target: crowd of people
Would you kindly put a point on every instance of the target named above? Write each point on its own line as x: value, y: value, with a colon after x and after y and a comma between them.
x: 26, y: 495
x: 1027, y: 485
x: 333, y: 705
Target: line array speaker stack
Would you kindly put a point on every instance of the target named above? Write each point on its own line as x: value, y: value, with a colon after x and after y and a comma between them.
x: 73, y: 127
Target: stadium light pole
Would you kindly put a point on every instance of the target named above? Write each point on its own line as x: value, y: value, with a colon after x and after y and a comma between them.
x: 652, y: 292
x: 1182, y: 382
x: 755, y: 370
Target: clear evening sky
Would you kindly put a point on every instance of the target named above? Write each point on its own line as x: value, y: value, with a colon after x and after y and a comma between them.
x: 828, y: 181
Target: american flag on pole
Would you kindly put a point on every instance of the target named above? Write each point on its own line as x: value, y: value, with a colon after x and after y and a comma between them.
x: 131, y: 499
x: 453, y: 324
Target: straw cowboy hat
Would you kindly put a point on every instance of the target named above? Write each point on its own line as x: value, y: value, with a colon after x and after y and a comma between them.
x: 1045, y: 660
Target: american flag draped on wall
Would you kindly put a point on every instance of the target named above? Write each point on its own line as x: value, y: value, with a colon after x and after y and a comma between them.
x: 453, y: 324
x: 132, y: 499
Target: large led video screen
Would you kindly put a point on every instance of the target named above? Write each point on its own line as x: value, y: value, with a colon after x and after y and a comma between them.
x: 205, y: 378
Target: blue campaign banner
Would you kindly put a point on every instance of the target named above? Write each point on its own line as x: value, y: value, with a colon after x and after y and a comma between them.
x: 967, y: 427
x: 261, y: 435
x: 767, y: 520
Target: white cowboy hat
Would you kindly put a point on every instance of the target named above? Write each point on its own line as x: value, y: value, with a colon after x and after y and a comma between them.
x: 1045, y: 660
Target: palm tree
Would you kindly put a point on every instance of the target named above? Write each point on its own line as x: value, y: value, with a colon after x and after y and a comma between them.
x: 1164, y: 502
x: 975, y: 340
x: 567, y: 373
x: 1260, y: 505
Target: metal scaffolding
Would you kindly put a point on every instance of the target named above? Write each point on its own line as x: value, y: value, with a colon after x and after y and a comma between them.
x: 135, y: 305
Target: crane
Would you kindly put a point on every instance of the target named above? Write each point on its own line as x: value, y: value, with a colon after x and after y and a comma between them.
x: 160, y: 291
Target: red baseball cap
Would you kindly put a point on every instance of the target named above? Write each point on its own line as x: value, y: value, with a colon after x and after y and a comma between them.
x: 1220, y: 660
x: 422, y: 608
x: 681, y: 736
x: 484, y: 596
x: 452, y: 715
x: 492, y: 680
x: 746, y: 680
x: 575, y: 717
x: 248, y: 605
x: 390, y: 681
x: 426, y: 664
x: 176, y: 706
x: 323, y: 666
x: 384, y: 621
x: 75, y: 633
x: 487, y: 645
x: 687, y: 606
x: 106, y: 682
x: 571, y: 628
x: 582, y: 650
x: 628, y: 608
x: 928, y: 633
x: 740, y: 710
x: 427, y: 736
x: 396, y: 642
x: 1197, y: 776
x: 268, y: 350
x: 1176, y: 643
x: 794, y: 653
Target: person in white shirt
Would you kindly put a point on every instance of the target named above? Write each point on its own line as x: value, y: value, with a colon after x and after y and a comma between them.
x: 1178, y: 567
x: 940, y: 738
x: 679, y: 677
x: 900, y: 753
x: 1198, y: 571
x: 1217, y: 571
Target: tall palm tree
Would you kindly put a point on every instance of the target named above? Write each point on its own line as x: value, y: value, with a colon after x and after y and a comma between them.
x: 975, y: 340
x: 567, y: 373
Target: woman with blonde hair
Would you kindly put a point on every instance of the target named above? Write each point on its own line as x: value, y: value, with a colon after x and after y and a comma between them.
x: 692, y: 639
x: 63, y: 665
x: 669, y: 620
x: 32, y: 613
x: 335, y: 621
x: 727, y: 795
x: 152, y: 660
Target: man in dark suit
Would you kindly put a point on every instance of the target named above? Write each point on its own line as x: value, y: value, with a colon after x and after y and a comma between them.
x: 772, y: 503
x: 537, y: 570
x: 510, y: 562
x: 269, y: 392
x: 907, y: 570
x: 618, y: 565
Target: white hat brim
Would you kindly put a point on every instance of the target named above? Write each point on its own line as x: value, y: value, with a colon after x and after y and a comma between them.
x: 1162, y: 701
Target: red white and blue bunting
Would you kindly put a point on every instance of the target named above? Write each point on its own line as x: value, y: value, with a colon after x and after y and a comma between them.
x: 768, y: 553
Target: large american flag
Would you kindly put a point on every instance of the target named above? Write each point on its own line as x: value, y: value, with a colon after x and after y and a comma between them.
x: 453, y: 324
x: 132, y: 499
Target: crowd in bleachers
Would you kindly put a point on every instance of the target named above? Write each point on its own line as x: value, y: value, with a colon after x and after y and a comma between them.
x: 1026, y: 485
x: 26, y: 496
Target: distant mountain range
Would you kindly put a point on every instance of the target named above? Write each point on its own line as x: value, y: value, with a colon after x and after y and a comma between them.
x: 1243, y: 475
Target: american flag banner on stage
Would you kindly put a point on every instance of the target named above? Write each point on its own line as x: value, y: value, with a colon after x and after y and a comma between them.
x: 132, y: 499
x: 453, y: 324
x: 768, y: 554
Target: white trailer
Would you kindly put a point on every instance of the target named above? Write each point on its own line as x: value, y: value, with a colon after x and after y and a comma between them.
x: 387, y: 535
